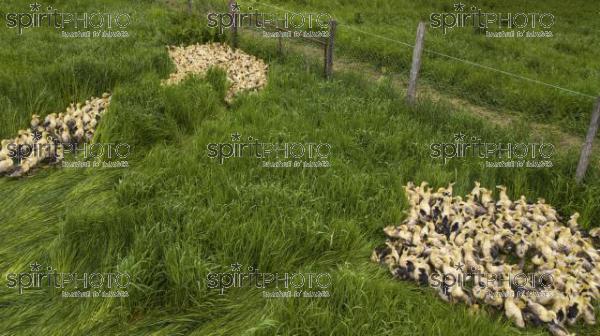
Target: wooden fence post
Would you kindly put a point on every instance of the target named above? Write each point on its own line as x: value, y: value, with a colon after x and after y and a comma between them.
x: 280, y: 44
x: 416, y: 64
x: 329, y: 49
x: 234, y: 27
x: 189, y: 5
x: 586, y: 151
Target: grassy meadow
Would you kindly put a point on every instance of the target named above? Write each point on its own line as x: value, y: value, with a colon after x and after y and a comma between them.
x: 568, y: 59
x: 175, y: 215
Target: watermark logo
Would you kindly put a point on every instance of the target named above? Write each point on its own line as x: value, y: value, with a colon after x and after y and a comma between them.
x: 494, y: 284
x: 289, y: 24
x: 504, y: 155
x: 53, y: 150
x: 94, y: 24
x: 274, y: 285
x: 272, y: 155
x: 86, y: 285
x: 519, y: 24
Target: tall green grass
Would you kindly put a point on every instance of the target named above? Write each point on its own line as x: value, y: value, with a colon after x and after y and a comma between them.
x: 175, y: 215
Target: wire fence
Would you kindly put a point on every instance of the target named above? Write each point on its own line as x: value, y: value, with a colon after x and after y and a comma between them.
x: 433, y: 52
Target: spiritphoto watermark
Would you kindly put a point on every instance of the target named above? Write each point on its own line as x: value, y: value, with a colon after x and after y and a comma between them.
x: 71, y: 285
x: 495, y: 24
x: 288, y: 24
x: 518, y: 284
x: 495, y: 154
x: 70, y: 24
x: 273, y: 285
x: 272, y: 154
x: 51, y: 149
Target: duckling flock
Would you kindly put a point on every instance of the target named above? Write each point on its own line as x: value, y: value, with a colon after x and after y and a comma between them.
x: 43, y: 141
x: 515, y: 256
x: 244, y: 72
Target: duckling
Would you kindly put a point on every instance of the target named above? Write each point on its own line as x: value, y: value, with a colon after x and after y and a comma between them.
x: 587, y: 310
x: 5, y: 150
x: 486, y: 249
x: 413, y: 217
x: 35, y: 121
x: 25, y: 137
x: 22, y: 169
x: 494, y: 298
x: 78, y: 111
x: 379, y: 253
x: 469, y: 258
x: 473, y: 208
x: 86, y: 118
x: 480, y: 290
x: 421, y: 273
x: 486, y: 197
x: 6, y: 164
x: 449, y: 190
x: 92, y: 123
x: 540, y: 312
x: 79, y: 132
x: 392, y: 255
x: 557, y: 330
x: 504, y: 201
x: 537, y: 216
x: 595, y: 233
x: 400, y: 232
x: 50, y: 121
x: 459, y: 295
x: 89, y: 135
x: 405, y: 267
x: 416, y: 236
x: 573, y: 221
x: 548, y: 211
x: 69, y: 121
x: 573, y: 311
x: 424, y: 207
x: 65, y: 136
x: 476, y: 192
x: 513, y: 312
x: 436, y: 259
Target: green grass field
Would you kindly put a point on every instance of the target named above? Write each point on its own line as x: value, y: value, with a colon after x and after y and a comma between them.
x: 175, y: 215
x: 568, y: 59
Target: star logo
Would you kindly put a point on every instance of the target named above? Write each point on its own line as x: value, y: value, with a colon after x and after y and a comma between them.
x: 37, y: 135
x: 460, y: 137
x: 459, y: 267
x: 236, y: 267
x: 459, y: 7
x: 235, y: 7
x: 35, y: 7
x: 235, y: 137
x: 35, y: 267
